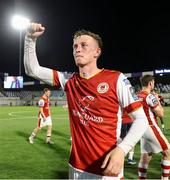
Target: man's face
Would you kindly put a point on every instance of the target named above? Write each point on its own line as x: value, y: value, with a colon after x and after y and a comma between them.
x: 48, y: 93
x: 85, y: 50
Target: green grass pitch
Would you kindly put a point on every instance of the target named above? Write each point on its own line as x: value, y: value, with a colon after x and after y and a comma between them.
x: 21, y: 160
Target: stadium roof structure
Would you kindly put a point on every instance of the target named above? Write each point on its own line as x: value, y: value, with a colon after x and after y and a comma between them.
x: 139, y: 74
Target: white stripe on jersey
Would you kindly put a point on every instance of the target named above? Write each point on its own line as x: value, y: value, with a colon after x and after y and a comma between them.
x: 123, y: 91
x: 63, y: 78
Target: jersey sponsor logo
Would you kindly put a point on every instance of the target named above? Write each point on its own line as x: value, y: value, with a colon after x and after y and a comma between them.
x: 127, y: 82
x: 84, y: 113
x: 102, y: 88
x: 85, y: 102
x: 85, y: 117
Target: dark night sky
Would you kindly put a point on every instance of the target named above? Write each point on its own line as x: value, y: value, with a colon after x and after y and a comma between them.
x: 136, y: 36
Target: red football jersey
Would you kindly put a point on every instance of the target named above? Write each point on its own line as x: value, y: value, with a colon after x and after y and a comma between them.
x: 95, y: 112
x: 126, y: 118
x: 44, y: 103
x: 149, y: 102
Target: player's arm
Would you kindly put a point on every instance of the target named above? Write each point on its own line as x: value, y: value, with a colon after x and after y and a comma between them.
x: 114, y: 160
x: 31, y: 64
x: 41, y: 104
x: 49, y: 112
x: 136, y: 131
x: 153, y: 101
x: 159, y: 111
x: 42, y: 113
x: 131, y: 104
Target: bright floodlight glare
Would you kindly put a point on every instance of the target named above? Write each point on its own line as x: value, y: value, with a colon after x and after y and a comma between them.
x: 20, y: 22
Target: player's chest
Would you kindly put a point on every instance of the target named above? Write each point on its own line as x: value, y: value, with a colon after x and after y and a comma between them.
x: 96, y: 94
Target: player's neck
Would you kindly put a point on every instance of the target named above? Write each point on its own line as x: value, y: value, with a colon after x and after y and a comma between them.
x: 87, y: 72
x: 146, y: 89
x: 44, y: 96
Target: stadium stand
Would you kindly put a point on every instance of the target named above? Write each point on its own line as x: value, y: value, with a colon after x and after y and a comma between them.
x: 34, y: 89
x: 27, y: 97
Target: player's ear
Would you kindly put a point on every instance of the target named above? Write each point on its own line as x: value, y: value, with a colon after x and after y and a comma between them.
x: 98, y: 53
x: 150, y: 83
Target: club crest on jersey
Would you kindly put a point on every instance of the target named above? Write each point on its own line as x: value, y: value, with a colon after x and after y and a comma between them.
x: 102, y: 88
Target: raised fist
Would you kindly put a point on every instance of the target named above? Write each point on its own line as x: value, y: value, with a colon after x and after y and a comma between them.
x: 35, y: 30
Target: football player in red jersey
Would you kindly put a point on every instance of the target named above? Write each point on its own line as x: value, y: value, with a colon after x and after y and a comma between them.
x: 44, y: 117
x: 153, y: 140
x: 96, y: 98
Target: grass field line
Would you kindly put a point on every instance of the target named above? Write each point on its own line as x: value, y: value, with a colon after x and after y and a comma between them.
x: 13, y: 114
x: 27, y: 117
x: 18, y: 115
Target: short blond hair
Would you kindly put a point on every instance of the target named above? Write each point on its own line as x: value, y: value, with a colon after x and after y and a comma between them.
x: 91, y: 34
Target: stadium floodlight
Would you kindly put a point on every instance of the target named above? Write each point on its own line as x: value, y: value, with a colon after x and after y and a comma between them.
x: 20, y: 23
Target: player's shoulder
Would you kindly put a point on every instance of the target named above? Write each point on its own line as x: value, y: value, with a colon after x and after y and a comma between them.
x: 151, y: 96
x: 142, y: 92
x: 73, y: 75
x: 142, y: 95
x: 112, y: 71
x: 41, y: 101
x: 41, y: 98
x: 118, y: 76
x: 152, y: 100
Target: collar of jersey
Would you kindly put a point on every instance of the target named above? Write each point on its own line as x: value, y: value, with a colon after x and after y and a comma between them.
x: 92, y: 75
x: 145, y: 92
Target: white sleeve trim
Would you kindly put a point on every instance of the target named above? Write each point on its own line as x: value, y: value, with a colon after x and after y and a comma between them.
x: 64, y: 77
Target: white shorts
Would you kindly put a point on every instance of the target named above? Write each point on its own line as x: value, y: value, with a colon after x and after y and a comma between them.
x: 153, y: 140
x: 44, y: 122
x: 79, y: 174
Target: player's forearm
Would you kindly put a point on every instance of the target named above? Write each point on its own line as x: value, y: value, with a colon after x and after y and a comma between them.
x: 136, y: 131
x: 30, y: 55
x: 32, y: 67
x: 158, y: 110
x: 161, y: 113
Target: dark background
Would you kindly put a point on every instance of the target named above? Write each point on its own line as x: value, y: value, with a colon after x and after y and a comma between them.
x: 136, y: 36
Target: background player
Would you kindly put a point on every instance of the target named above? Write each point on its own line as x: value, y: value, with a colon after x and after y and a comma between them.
x: 153, y: 140
x: 44, y: 117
